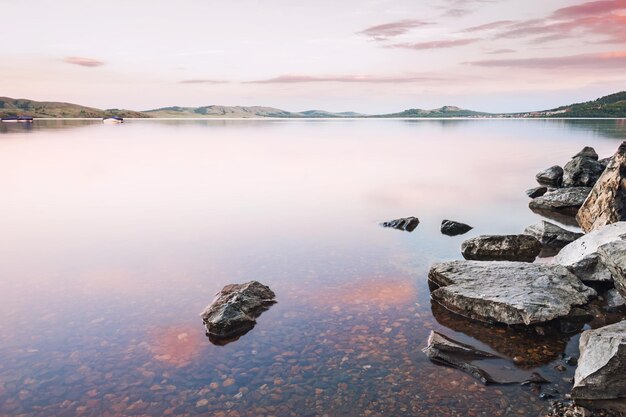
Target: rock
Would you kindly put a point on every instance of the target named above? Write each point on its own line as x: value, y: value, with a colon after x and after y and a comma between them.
x: 605, y: 161
x: 613, y: 256
x: 507, y: 292
x: 565, y: 200
x: 581, y: 256
x: 602, y: 364
x: 536, y: 192
x: 452, y: 228
x: 552, y: 237
x: 521, y: 248
x: 551, y: 176
x: 606, y: 203
x: 446, y: 351
x: 234, y: 310
x: 587, y: 152
x: 408, y: 224
x: 614, y: 300
x: 581, y: 172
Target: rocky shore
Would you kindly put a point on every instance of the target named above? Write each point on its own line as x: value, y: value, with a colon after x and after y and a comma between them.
x: 501, y: 284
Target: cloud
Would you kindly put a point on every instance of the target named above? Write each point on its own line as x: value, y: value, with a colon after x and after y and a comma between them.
x: 489, y: 26
x: 602, y: 61
x: 203, y: 81
x: 434, y: 44
x: 389, y: 30
x: 458, y: 12
x: 82, y: 61
x: 591, y: 8
x: 376, y: 79
x: 501, y: 51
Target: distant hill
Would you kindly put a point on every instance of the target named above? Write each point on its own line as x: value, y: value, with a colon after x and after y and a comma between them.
x: 10, y: 107
x: 613, y: 105
x: 445, y: 111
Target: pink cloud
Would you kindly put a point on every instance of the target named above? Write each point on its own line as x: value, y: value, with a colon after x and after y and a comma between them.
x: 295, y: 79
x: 393, y: 29
x: 501, y: 51
x: 435, y: 44
x: 82, y: 61
x: 591, y: 8
x: 488, y: 26
x: 607, y: 61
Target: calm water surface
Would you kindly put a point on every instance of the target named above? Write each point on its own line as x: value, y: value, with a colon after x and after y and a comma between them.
x: 115, y: 237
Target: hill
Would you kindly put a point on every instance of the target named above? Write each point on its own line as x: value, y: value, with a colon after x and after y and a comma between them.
x: 445, y: 111
x: 240, y: 111
x: 11, y: 107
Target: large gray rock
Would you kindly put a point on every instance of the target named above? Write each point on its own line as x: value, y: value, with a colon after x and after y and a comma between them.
x: 606, y: 203
x: 452, y: 228
x: 613, y: 256
x: 536, y: 192
x: 587, y: 152
x: 507, y: 292
x: 566, y: 200
x: 581, y: 172
x: 234, y: 310
x: 601, y: 372
x: 521, y: 248
x: 551, y: 177
x: 408, y: 224
x: 581, y: 257
x: 552, y: 237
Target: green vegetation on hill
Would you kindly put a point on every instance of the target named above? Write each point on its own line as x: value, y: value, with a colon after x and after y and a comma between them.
x: 613, y: 105
x: 445, y: 111
x: 10, y: 107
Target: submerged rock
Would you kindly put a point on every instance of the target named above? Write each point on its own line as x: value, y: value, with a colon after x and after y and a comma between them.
x: 552, y: 237
x: 452, y: 228
x: 408, y: 224
x: 551, y: 177
x: 581, y: 256
x: 587, y: 152
x: 564, y: 200
x: 234, y: 310
x: 521, y: 248
x: 507, y: 292
x: 602, y: 364
x: 613, y: 256
x: 536, y: 192
x: 443, y: 350
x: 581, y: 172
x: 606, y: 203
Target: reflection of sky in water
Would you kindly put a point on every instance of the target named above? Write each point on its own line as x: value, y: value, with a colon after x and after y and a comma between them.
x: 116, y: 237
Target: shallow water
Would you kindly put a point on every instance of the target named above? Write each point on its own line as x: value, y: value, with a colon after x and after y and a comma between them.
x: 115, y: 237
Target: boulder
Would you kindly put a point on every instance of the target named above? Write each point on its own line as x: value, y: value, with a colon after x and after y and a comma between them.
x: 564, y: 200
x: 581, y: 172
x: 234, y: 310
x: 552, y: 237
x: 614, y: 300
x: 551, y: 177
x: 452, y: 228
x: 613, y: 256
x: 446, y: 351
x: 587, y: 152
x: 581, y: 256
x: 536, y: 192
x: 521, y: 248
x: 602, y: 364
x: 507, y: 292
x: 408, y: 224
x: 606, y: 203
x: 605, y: 161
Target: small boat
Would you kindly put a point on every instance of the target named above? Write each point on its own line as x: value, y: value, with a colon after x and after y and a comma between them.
x: 19, y: 119
x: 112, y: 119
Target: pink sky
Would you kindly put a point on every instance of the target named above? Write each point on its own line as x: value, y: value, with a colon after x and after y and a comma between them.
x: 369, y: 55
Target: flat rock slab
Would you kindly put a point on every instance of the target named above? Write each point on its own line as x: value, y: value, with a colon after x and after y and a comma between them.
x: 408, y: 224
x: 602, y: 364
x: 581, y: 256
x: 566, y: 200
x: 507, y: 292
x: 446, y: 351
x: 536, y: 192
x: 234, y: 310
x: 606, y: 203
x: 553, y: 238
x: 521, y: 248
x: 452, y: 228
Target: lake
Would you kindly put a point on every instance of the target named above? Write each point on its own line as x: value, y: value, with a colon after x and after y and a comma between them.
x: 116, y: 237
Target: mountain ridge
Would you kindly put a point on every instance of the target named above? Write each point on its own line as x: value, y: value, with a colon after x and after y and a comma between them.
x: 612, y: 106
